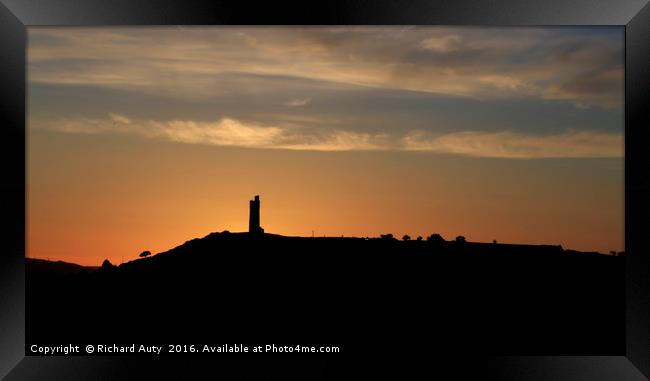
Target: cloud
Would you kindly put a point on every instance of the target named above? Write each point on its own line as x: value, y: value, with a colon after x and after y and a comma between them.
x: 506, y: 144
x: 442, y: 44
x: 589, y: 88
x: 581, y: 66
x: 225, y: 132
x: 235, y: 133
x: 339, y: 141
x: 297, y: 102
x: 119, y: 118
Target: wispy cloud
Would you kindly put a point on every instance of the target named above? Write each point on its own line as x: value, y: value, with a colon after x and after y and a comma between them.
x: 297, y: 102
x: 338, y: 140
x: 506, y: 144
x: 117, y: 118
x: 224, y: 132
x: 565, y: 65
x: 235, y: 133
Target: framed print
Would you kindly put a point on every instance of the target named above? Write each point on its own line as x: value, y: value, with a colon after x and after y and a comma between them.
x: 325, y: 190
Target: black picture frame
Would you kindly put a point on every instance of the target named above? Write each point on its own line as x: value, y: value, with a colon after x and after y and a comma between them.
x: 16, y: 15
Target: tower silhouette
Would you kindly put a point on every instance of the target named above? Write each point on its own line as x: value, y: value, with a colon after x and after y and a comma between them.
x: 254, y: 219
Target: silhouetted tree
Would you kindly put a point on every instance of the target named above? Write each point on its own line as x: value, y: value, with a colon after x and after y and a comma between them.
x: 386, y: 236
x: 460, y: 239
x: 106, y: 265
x: 145, y: 253
x: 406, y: 237
x: 435, y: 238
x: 419, y: 238
x: 494, y: 241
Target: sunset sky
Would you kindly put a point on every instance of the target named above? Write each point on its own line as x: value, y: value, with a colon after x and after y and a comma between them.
x: 143, y: 138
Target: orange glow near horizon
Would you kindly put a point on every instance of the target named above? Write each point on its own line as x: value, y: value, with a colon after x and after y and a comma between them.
x: 126, y: 197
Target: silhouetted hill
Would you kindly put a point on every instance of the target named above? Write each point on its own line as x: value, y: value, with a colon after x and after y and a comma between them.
x: 35, y: 265
x: 215, y: 243
x: 369, y: 296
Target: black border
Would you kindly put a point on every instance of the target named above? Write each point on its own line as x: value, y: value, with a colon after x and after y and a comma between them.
x: 15, y: 15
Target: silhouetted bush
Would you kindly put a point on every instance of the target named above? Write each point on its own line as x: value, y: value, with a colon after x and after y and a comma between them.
x: 387, y: 236
x: 406, y: 237
x: 107, y: 264
x: 435, y: 238
x: 145, y: 253
x: 419, y: 238
x: 460, y: 239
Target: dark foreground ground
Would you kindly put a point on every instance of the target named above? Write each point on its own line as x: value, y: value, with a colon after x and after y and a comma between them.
x: 373, y: 298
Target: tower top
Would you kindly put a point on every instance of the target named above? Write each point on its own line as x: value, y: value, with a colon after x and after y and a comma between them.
x: 254, y: 219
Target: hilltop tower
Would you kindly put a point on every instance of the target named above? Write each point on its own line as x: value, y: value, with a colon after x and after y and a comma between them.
x: 254, y: 219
